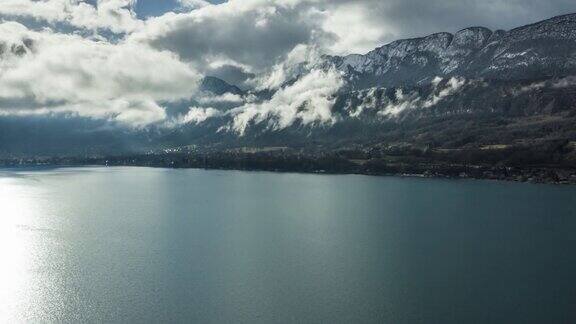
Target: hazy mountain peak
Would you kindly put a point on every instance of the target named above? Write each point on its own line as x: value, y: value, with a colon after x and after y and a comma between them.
x: 218, y: 86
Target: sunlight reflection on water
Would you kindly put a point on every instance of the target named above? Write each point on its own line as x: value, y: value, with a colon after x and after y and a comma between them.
x: 16, y: 248
x: 29, y: 250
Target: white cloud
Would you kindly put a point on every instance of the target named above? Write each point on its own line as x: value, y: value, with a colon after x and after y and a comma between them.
x: 51, y: 11
x: 403, y: 102
x: 413, y: 100
x: 198, y: 115
x: 561, y: 83
x: 194, y: 4
x: 309, y: 100
x: 230, y: 98
x: 353, y: 30
x: 67, y: 73
x: 302, y: 59
x: 113, y: 15
x: 453, y: 85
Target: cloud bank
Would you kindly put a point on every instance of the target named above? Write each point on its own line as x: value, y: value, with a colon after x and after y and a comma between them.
x: 66, y: 73
x: 97, y: 58
x: 114, y: 15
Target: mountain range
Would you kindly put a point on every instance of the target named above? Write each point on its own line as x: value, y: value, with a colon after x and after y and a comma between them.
x: 476, y: 90
x: 544, y: 49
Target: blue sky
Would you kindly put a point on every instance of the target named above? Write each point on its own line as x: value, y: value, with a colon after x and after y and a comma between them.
x: 147, y: 8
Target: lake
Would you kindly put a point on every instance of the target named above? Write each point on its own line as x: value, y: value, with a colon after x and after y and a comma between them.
x: 197, y: 246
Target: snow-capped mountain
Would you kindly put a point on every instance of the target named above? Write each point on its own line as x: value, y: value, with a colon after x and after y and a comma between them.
x: 544, y: 49
x: 412, y: 77
x: 475, y: 87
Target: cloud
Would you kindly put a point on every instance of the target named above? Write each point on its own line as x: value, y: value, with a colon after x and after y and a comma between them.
x: 256, y: 35
x: 194, y: 4
x: 403, y: 101
x: 301, y: 60
x: 363, y: 25
x: 309, y: 100
x: 114, y: 15
x: 248, y: 33
x: 264, y: 44
x: 227, y: 98
x: 198, y: 115
x: 453, y: 85
x: 353, y: 29
x: 566, y: 82
x: 407, y: 100
x: 67, y: 73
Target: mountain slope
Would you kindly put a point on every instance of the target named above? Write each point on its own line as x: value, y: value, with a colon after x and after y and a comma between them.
x: 471, y: 90
x: 493, y: 98
x: 544, y: 49
x: 218, y: 86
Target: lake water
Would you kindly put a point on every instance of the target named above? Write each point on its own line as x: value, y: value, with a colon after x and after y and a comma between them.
x: 196, y: 246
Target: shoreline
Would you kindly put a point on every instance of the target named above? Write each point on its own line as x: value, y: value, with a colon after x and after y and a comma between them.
x: 515, y: 176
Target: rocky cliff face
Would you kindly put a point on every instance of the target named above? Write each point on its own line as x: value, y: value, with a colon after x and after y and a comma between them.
x: 544, y: 49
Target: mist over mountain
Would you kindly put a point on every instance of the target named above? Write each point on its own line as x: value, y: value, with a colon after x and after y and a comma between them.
x: 489, y: 87
x: 474, y: 88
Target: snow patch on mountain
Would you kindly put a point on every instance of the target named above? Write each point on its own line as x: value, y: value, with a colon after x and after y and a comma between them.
x: 544, y: 48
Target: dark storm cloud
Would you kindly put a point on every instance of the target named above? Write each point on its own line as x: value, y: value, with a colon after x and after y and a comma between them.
x: 420, y: 17
x: 254, y: 36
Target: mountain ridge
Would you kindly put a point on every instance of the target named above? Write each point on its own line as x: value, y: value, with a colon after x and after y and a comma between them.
x: 408, y: 96
x: 472, y: 52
